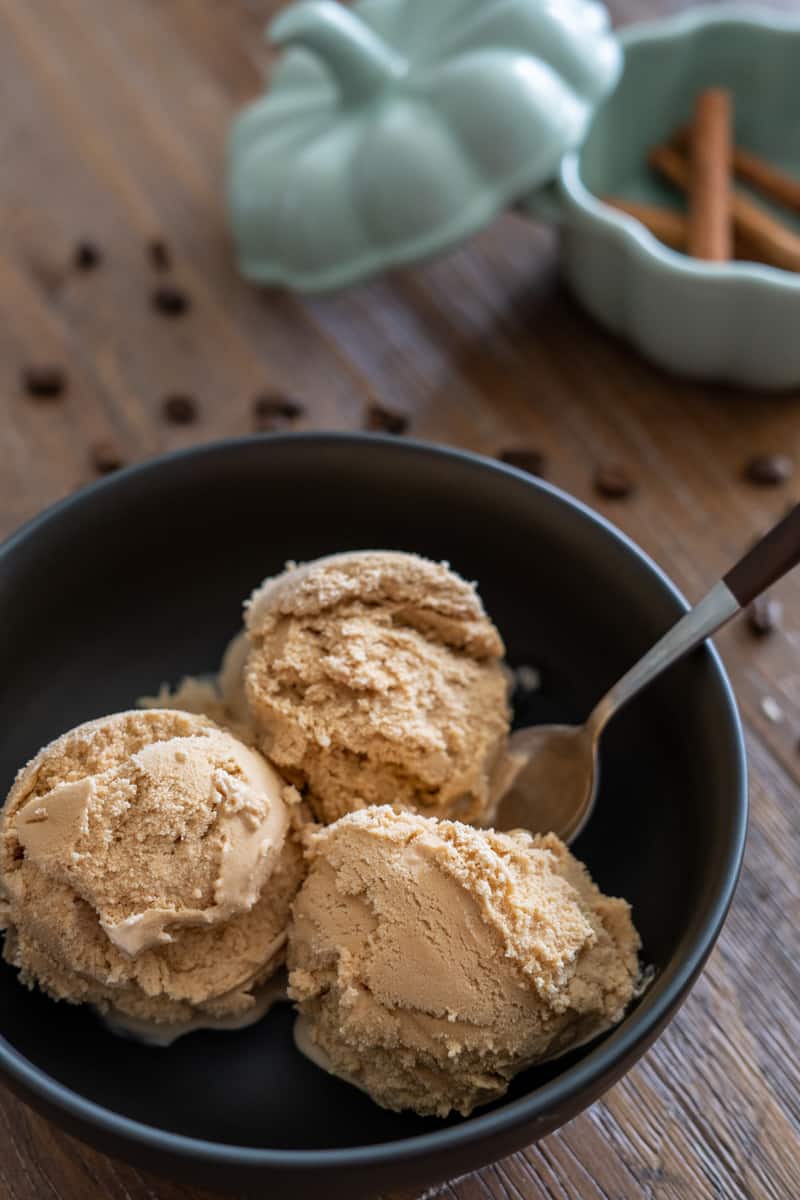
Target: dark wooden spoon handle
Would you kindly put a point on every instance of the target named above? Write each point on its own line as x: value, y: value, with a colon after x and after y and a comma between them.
x: 776, y: 553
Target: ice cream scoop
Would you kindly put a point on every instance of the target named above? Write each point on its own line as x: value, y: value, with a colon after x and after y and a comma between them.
x: 432, y: 961
x: 376, y: 677
x: 147, y: 867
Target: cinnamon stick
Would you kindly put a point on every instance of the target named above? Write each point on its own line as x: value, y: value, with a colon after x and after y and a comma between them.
x: 665, y: 224
x: 767, y: 239
x: 670, y: 226
x: 768, y: 179
x: 710, y: 233
x: 755, y: 170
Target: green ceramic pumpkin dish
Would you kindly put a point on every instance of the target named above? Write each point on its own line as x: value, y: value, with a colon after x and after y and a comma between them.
x: 399, y: 127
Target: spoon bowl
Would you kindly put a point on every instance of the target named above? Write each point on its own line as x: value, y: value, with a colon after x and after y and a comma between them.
x: 555, y: 789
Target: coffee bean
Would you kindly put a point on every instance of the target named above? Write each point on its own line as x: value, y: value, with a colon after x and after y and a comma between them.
x: 159, y: 254
x: 171, y: 301
x: 385, y: 420
x: 613, y: 482
x: 106, y: 456
x: 179, y: 409
x: 764, y: 615
x: 767, y: 470
x: 45, y: 382
x: 87, y: 256
x: 530, y: 460
x: 272, y: 410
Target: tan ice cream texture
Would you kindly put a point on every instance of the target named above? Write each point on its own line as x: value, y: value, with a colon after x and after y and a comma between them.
x: 375, y: 677
x: 431, y: 961
x: 147, y: 867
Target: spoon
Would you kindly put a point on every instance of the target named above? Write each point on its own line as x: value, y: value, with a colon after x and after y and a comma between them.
x: 556, y: 788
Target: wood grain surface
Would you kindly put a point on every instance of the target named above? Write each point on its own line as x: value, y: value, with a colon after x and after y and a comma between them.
x: 113, y: 120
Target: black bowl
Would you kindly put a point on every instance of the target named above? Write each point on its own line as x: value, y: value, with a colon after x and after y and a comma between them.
x: 141, y: 578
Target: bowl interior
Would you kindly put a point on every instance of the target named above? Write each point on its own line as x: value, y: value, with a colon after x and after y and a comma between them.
x: 665, y: 68
x: 141, y: 580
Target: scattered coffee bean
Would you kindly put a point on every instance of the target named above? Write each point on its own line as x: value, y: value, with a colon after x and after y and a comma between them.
x: 87, y: 256
x: 764, y: 615
x: 179, y: 409
x: 384, y: 420
x: 171, y: 301
x: 44, y: 383
x: 106, y: 456
x: 767, y: 470
x: 273, y: 410
x: 532, y: 461
x: 159, y: 254
x: 613, y: 482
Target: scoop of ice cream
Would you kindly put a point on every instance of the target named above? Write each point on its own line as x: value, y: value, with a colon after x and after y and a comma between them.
x: 376, y: 678
x: 147, y: 867
x: 431, y: 961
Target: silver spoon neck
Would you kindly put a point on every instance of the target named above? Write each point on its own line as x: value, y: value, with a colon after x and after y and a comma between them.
x: 715, y: 609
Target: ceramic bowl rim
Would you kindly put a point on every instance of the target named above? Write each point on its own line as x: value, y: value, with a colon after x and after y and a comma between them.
x: 624, y: 1041
x: 681, y: 27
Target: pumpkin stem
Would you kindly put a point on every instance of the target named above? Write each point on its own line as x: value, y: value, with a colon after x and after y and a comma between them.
x: 359, y: 60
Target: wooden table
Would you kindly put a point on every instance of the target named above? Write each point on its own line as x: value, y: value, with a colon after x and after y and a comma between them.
x: 113, y: 123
